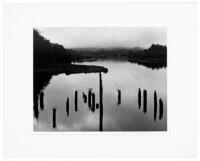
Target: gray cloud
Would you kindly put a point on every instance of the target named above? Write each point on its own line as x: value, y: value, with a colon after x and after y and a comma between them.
x: 105, y: 36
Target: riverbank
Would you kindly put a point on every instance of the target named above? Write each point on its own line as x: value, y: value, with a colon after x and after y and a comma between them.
x: 70, y: 68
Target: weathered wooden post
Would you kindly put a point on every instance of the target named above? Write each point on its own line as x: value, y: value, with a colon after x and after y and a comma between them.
x: 139, y: 98
x: 67, y: 106
x: 100, y: 103
x: 54, y: 117
x: 35, y: 107
x: 76, y: 101
x: 155, y: 105
x: 89, y: 97
x: 119, y: 97
x: 160, y: 109
x: 144, y: 101
x: 42, y: 100
x: 93, y: 102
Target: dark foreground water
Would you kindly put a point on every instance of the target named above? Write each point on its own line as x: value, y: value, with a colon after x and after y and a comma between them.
x: 120, y: 110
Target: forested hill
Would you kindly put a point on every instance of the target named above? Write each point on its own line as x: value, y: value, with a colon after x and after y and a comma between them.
x: 46, y: 52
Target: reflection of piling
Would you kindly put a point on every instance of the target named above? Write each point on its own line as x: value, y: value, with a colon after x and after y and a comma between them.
x: 42, y: 100
x: 155, y: 105
x: 139, y: 98
x: 100, y: 103
x: 67, y: 106
x: 35, y: 107
x: 89, y: 97
x: 93, y: 102
x: 76, y: 101
x: 119, y: 97
x: 84, y: 97
x: 160, y: 109
x: 54, y: 117
x: 144, y: 101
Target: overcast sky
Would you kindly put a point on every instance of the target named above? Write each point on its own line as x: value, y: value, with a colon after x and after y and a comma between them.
x: 105, y: 37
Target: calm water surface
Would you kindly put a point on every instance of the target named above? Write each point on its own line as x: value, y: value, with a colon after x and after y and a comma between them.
x: 125, y: 76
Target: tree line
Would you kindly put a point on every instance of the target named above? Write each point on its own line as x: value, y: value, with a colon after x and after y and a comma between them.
x: 46, y: 52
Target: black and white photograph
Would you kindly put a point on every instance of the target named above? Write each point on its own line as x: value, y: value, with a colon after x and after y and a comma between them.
x: 100, y: 79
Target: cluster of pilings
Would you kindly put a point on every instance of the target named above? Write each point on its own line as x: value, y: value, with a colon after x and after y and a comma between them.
x: 90, y: 100
x: 92, y: 105
x: 155, y: 103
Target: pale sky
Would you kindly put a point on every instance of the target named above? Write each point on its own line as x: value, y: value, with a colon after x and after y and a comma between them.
x: 103, y: 37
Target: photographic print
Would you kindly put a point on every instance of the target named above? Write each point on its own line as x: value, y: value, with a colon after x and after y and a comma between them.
x: 100, y: 79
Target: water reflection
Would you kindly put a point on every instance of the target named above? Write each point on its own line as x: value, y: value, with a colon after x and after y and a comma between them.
x: 95, y: 99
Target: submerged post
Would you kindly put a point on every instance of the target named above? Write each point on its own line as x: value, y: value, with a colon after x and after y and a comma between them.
x: 42, y: 100
x: 139, y: 98
x: 76, y: 101
x: 100, y: 103
x: 119, y: 97
x: 67, y: 106
x: 144, y: 101
x: 54, y: 117
x: 155, y: 105
x: 160, y: 109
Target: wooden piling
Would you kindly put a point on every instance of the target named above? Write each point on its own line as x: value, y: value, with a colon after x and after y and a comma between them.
x: 42, y: 100
x: 100, y: 103
x: 160, y: 109
x: 119, y: 97
x: 93, y: 102
x: 35, y: 107
x: 54, y: 117
x: 67, y: 106
x: 155, y: 105
x: 89, y: 97
x: 139, y: 98
x: 144, y: 101
x: 97, y: 106
x: 76, y: 101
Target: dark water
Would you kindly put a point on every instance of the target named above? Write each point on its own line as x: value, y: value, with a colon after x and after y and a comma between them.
x: 120, y: 111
